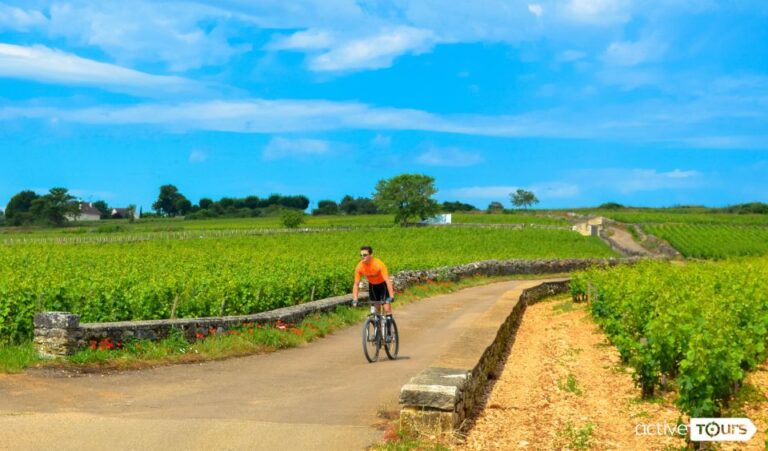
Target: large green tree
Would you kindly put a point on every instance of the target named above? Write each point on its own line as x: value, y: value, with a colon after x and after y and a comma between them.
x: 523, y: 199
x: 17, y: 212
x: 408, y: 196
x: 56, y: 207
x: 170, y: 202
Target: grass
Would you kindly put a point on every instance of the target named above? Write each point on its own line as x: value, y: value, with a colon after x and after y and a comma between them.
x: 15, y: 358
x: 247, y: 340
x: 577, y: 438
x: 570, y: 385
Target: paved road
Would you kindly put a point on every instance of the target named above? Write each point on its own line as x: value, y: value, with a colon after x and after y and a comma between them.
x: 320, y: 396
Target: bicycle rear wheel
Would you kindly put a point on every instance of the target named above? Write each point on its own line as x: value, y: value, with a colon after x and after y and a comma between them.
x: 392, y: 344
x: 371, y: 340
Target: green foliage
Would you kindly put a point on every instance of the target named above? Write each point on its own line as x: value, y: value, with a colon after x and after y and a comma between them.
x: 170, y: 202
x: 451, y: 207
x: 141, y: 279
x: 407, y: 196
x: 55, y: 207
x: 359, y: 206
x: 611, y: 206
x: 17, y: 212
x: 292, y: 218
x: 103, y: 209
x: 495, y: 207
x: 702, y: 325
x: 713, y: 241
x: 578, y: 438
x: 326, y: 207
x: 523, y: 199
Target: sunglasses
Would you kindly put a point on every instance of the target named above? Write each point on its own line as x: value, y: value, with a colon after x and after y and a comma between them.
x: 364, y: 255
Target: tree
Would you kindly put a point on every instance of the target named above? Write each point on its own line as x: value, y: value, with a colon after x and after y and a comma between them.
x: 359, y: 206
x: 168, y: 201
x: 131, y: 210
x: 407, y: 196
x: 205, y: 203
x: 103, y: 209
x: 55, y: 207
x: 450, y: 207
x: 495, y: 207
x: 17, y: 211
x: 326, y: 207
x: 292, y: 218
x: 523, y: 198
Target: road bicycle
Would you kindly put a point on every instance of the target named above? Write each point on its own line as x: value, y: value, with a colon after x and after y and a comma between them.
x: 379, y: 330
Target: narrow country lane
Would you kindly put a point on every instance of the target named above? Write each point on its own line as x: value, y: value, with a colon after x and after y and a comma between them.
x: 324, y: 395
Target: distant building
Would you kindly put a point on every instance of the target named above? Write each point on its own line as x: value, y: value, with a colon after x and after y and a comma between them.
x: 87, y: 213
x: 439, y: 219
x: 123, y: 213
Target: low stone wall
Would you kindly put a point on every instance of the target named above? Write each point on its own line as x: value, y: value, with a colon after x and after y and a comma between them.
x: 60, y: 333
x: 439, y: 400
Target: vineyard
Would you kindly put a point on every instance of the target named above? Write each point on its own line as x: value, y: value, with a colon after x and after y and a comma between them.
x: 666, y: 217
x: 173, y: 225
x: 238, y: 275
x: 697, y: 328
x: 713, y: 241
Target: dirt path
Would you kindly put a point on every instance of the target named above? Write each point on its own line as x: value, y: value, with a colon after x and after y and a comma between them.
x: 625, y: 241
x: 320, y: 396
x: 563, y: 387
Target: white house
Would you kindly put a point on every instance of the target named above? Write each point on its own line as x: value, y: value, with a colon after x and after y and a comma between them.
x: 87, y: 213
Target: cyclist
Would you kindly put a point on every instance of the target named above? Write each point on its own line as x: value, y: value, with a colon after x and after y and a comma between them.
x: 379, y: 284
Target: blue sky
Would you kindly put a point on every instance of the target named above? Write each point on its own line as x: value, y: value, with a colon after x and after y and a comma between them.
x: 649, y: 103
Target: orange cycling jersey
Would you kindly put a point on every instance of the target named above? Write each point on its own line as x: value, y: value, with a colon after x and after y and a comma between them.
x: 375, y: 271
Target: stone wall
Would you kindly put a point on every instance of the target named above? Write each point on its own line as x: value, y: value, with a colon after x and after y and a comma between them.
x: 60, y: 333
x: 439, y: 400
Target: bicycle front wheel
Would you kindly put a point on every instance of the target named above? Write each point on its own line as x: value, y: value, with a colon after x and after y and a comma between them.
x: 371, y: 340
x: 392, y: 343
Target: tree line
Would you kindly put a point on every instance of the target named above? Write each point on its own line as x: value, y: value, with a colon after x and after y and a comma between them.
x: 407, y: 196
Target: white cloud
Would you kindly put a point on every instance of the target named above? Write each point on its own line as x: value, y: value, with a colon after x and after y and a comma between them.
x: 287, y: 148
x: 374, y: 52
x: 599, y: 12
x: 181, y: 35
x: 17, y: 19
x: 198, y: 156
x: 481, y: 192
x: 381, y: 141
x: 555, y: 190
x: 90, y: 195
x: 42, y: 64
x: 627, y: 181
x: 544, y: 191
x: 637, y: 122
x: 535, y: 9
x: 571, y: 55
x: 448, y: 156
x: 632, y: 53
x: 303, y: 40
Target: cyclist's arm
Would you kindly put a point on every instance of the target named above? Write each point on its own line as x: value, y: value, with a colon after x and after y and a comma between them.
x: 356, y: 286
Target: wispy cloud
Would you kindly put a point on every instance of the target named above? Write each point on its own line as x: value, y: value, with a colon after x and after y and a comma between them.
x: 448, y: 156
x: 182, y: 35
x: 374, y: 52
x: 381, y: 141
x: 642, y: 121
x: 544, y: 191
x: 535, y: 9
x: 287, y: 148
x: 632, y: 53
x: 198, y: 156
x: 46, y: 65
x: 599, y: 12
x: 18, y: 19
x: 628, y: 181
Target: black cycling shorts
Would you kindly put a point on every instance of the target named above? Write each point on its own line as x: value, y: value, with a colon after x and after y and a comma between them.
x: 378, y: 292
